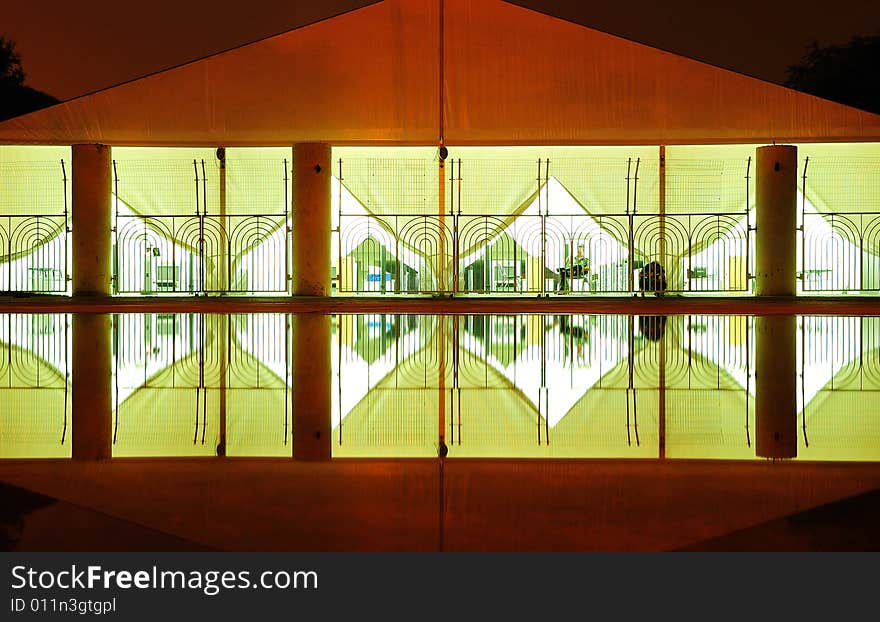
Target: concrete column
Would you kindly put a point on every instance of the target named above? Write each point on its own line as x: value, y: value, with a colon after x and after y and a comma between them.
x: 312, y: 375
x: 91, y: 216
x: 776, y: 386
x: 776, y: 221
x: 312, y: 372
x: 92, y: 414
x: 311, y: 219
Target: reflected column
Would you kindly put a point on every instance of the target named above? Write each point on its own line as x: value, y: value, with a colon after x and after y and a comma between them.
x: 311, y: 363
x: 312, y: 374
x: 776, y: 386
x: 92, y: 400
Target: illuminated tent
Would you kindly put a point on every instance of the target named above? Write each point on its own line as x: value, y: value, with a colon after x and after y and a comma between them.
x: 34, y: 210
x: 510, y: 76
x: 171, y: 187
x: 502, y: 76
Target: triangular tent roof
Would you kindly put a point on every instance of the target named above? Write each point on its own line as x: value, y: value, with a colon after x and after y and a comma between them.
x: 367, y: 75
x: 509, y: 75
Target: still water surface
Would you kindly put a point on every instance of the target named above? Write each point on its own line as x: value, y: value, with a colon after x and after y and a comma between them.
x: 518, y: 386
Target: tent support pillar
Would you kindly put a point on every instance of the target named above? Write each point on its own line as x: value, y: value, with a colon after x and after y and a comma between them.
x: 311, y: 219
x: 311, y: 363
x: 91, y: 218
x: 92, y: 401
x: 92, y: 404
x: 776, y: 221
x: 776, y: 336
x: 776, y: 386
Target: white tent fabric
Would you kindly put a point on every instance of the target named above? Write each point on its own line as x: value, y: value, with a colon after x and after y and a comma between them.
x: 516, y: 77
x: 368, y: 75
x: 844, y: 180
x: 162, y: 182
x: 34, y: 181
x: 507, y: 76
x: 510, y: 76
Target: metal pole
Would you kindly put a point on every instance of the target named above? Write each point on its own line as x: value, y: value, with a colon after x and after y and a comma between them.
x: 67, y: 230
x: 201, y: 248
x: 803, y: 227
x: 441, y: 224
x: 339, y: 266
x: 204, y: 203
x: 224, y: 254
x: 630, y: 242
x: 662, y: 205
x: 749, y: 272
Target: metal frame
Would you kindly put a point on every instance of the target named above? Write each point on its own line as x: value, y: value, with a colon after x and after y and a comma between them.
x: 195, y: 240
x: 612, y: 238
x: 847, y: 269
x: 32, y: 236
x: 380, y: 240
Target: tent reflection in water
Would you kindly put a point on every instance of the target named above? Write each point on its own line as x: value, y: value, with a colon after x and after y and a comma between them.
x: 596, y: 401
x: 476, y: 165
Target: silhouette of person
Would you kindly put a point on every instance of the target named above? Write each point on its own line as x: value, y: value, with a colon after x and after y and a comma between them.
x: 574, y: 268
x: 652, y: 278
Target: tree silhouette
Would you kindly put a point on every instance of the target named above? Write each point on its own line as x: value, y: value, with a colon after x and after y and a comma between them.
x: 11, y: 72
x: 16, y: 97
x: 843, y: 73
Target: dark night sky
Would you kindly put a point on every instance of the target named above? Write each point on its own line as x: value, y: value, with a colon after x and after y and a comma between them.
x: 71, y: 48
